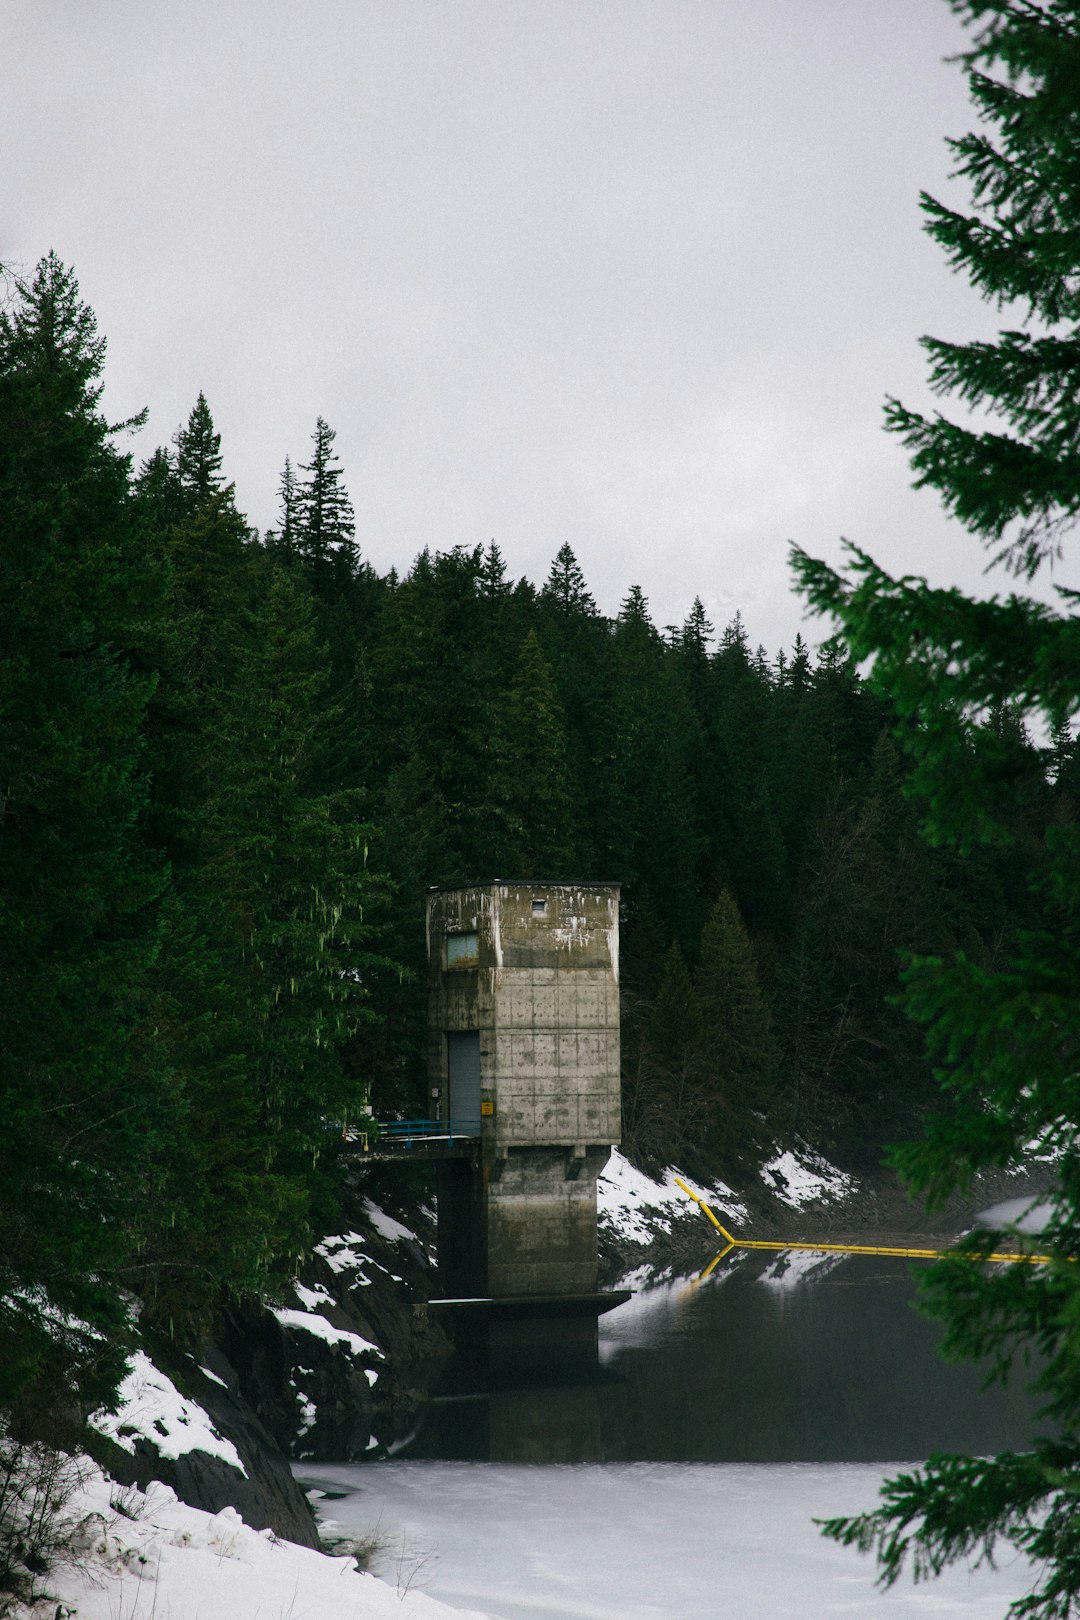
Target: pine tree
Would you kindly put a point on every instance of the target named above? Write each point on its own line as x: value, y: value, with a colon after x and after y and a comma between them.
x: 492, y: 579
x: 697, y: 632
x: 738, y: 1043
x: 1004, y: 1035
x: 538, y: 788
x: 267, y: 962
x: 668, y: 1111
x: 635, y: 609
x: 284, y: 537
x: 325, y: 526
x: 198, y: 456
x: 84, y: 1092
x: 565, y: 585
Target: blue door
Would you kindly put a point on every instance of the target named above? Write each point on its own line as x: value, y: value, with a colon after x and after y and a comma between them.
x: 463, y: 1053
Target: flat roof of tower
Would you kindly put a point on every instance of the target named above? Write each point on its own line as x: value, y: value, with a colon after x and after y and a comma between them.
x: 520, y: 883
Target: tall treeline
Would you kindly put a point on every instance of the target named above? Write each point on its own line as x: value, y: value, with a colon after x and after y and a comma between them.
x: 231, y: 765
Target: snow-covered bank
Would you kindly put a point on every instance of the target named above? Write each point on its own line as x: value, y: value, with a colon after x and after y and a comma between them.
x: 137, y: 1556
x: 632, y: 1206
x: 805, y: 1178
x: 647, y: 1541
x: 641, y: 1217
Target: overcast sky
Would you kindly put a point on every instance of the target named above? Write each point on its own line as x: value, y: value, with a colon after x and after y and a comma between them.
x: 632, y: 274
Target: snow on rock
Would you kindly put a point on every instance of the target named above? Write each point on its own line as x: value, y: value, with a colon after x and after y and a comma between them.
x: 152, y: 1407
x: 630, y: 1203
x: 386, y: 1225
x: 312, y: 1322
x: 140, y: 1555
x: 345, y: 1252
x: 805, y: 1178
x: 312, y: 1298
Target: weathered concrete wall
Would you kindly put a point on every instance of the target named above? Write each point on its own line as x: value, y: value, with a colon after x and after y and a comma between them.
x: 534, y: 969
x: 543, y: 992
x: 541, y: 1224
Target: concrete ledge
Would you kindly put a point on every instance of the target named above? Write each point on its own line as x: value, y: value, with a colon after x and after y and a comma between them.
x: 534, y: 1305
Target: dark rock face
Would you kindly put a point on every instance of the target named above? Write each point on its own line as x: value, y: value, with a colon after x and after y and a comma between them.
x: 341, y: 1371
x: 338, y: 1371
x: 267, y: 1497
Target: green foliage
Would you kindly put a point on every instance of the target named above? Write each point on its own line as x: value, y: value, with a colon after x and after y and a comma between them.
x: 85, y: 1098
x: 537, y: 773
x: 963, y: 675
x: 203, y: 738
x: 323, y: 518
x: 737, y: 1040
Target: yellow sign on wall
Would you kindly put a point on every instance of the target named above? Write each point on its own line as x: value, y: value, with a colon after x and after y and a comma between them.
x: 487, y: 1108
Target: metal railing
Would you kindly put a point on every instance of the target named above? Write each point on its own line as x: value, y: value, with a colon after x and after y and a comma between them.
x: 408, y: 1133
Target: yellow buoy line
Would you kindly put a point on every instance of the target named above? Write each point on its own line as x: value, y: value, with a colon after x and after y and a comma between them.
x: 840, y: 1248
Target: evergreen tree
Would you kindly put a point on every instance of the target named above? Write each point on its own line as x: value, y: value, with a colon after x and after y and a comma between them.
x: 1004, y: 1035
x: 325, y: 525
x: 159, y: 492
x: 635, y: 609
x: 198, y: 456
x: 284, y: 537
x: 85, y: 1098
x: 697, y: 632
x: 668, y: 1112
x: 738, y: 1045
x: 538, y: 789
x: 269, y: 956
x: 492, y: 578
x: 565, y: 586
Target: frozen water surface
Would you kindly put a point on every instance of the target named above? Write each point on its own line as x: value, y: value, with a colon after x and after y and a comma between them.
x: 639, y: 1541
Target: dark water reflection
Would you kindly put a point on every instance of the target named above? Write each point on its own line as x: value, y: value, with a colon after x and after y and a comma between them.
x: 767, y: 1360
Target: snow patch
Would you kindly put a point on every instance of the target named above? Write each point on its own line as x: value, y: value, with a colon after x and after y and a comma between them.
x: 320, y: 1328
x: 312, y: 1298
x: 630, y: 1202
x: 385, y: 1224
x: 152, y: 1408
x: 805, y: 1178
x: 180, y: 1563
x: 344, y: 1252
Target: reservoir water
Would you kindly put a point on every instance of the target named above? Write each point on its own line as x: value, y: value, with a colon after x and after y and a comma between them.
x: 674, y: 1466
x: 790, y: 1358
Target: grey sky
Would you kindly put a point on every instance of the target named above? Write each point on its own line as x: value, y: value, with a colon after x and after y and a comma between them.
x: 632, y: 274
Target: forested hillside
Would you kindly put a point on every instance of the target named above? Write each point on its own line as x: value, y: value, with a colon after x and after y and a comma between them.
x: 231, y: 764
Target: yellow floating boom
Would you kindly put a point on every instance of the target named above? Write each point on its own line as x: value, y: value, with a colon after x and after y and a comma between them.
x: 843, y: 1248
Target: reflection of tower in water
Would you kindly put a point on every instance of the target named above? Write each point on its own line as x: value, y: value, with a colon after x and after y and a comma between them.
x: 529, y: 1390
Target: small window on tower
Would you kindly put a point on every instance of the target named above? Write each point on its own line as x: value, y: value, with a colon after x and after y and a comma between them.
x: 539, y: 907
x: 462, y: 950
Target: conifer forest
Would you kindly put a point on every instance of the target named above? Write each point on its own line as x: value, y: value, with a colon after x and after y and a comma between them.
x: 233, y: 763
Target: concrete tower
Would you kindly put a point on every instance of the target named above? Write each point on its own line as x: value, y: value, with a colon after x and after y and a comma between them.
x: 524, y: 1029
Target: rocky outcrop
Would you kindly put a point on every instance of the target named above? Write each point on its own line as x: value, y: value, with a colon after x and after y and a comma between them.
x: 340, y: 1368
x: 259, y: 1483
